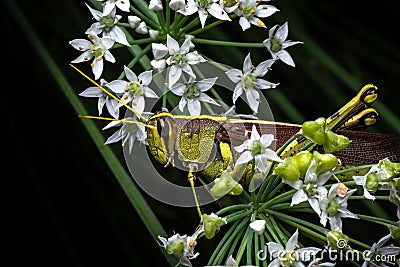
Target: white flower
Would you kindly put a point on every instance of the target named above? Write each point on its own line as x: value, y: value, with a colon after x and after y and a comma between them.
x: 155, y: 5
x: 107, y: 26
x: 291, y: 255
x: 104, y: 99
x: 258, y: 226
x: 134, y: 21
x: 247, y: 81
x: 135, y: 89
x: 128, y: 133
x: 276, y: 43
x: 97, y: 49
x: 334, y: 207
x: 379, y: 255
x: 377, y: 178
x: 176, y: 4
x: 203, y: 8
x: 192, y: 93
x: 179, y: 58
x: 257, y: 147
x: 142, y: 28
x: 250, y: 11
x: 109, y: 5
x: 231, y: 262
x: 154, y: 34
x: 312, y: 188
x: 182, y: 247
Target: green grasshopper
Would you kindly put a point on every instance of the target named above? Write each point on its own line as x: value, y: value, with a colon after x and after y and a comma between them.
x: 203, y: 145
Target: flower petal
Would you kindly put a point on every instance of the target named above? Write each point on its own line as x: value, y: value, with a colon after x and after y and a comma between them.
x: 285, y: 57
x: 194, y: 107
x: 299, y: 197
x: 175, y: 73
x: 244, y: 158
x: 234, y: 75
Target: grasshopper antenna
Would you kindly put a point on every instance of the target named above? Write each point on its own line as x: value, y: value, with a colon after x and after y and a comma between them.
x: 119, y: 120
x: 108, y: 93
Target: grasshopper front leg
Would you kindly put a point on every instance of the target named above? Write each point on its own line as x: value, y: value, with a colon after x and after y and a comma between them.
x: 191, y: 179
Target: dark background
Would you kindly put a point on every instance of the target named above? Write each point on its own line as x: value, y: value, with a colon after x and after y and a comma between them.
x: 63, y: 206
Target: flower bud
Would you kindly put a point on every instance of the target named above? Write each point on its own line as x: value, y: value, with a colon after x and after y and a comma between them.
x: 332, y: 208
x: 258, y: 226
x: 134, y: 21
x: 314, y: 130
x: 395, y: 232
x: 153, y: 34
x: 325, y: 162
x: 176, y: 4
x: 371, y: 181
x: 175, y: 248
x: 226, y: 185
x: 334, y: 142
x: 391, y: 169
x: 155, y: 5
x: 211, y: 224
x: 337, y: 240
x: 288, y: 170
x: 302, y: 160
x: 142, y: 28
x: 159, y: 50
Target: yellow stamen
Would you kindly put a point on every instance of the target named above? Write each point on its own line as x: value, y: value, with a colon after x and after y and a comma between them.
x: 259, y: 22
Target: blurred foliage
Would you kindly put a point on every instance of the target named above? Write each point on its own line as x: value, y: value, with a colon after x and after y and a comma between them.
x: 69, y: 209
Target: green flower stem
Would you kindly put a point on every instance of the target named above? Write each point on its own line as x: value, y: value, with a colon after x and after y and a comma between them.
x: 243, y: 245
x: 266, y: 194
x: 150, y: 22
x: 285, y: 206
x: 266, y: 234
x: 307, y: 146
x: 191, y: 24
x: 253, y: 193
x: 237, y: 239
x: 179, y: 21
x: 249, y: 246
x: 282, y: 197
x: 256, y: 238
x: 280, y: 215
x: 161, y: 20
x: 376, y: 197
x: 167, y: 16
x: 227, y: 43
x: 218, y: 250
x: 134, y: 42
x: 276, y: 189
x: 237, y: 215
x: 229, y: 241
x: 376, y: 220
x: 304, y: 229
x: 144, y: 7
x: 264, y: 187
x: 354, y: 169
x: 284, y: 146
x: 135, y: 60
x: 210, y: 26
x: 270, y: 230
x: 282, y: 236
x: 233, y: 207
x: 263, y: 247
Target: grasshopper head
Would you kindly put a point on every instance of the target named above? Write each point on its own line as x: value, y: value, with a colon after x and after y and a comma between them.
x: 161, y: 137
